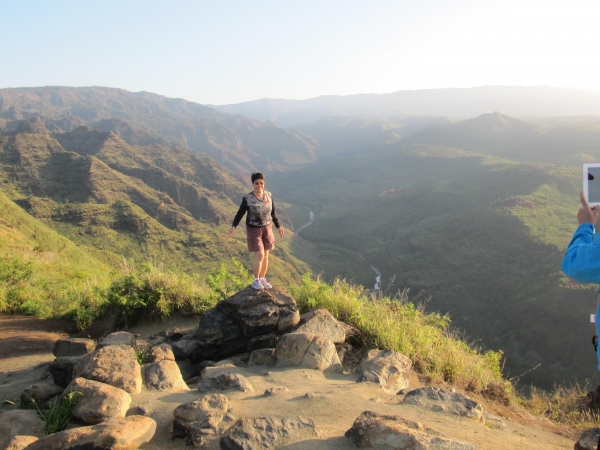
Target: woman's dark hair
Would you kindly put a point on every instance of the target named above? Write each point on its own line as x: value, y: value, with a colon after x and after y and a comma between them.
x: 257, y: 176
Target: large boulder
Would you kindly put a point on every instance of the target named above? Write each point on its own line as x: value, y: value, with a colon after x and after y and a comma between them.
x: 164, y: 375
x: 225, y: 382
x: 307, y: 350
x: 115, y: 365
x: 265, y: 432
x: 246, y: 321
x: 588, y: 440
x: 372, y: 430
x: 73, y: 347
x: 200, y: 419
x: 321, y: 323
x: 99, y: 402
x: 444, y: 400
x: 387, y: 368
x: 116, y: 434
x: 20, y: 422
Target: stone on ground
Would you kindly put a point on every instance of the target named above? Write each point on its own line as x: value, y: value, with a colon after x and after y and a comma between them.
x: 372, y: 430
x: 588, y: 440
x: 160, y: 353
x: 262, y: 357
x: 20, y: 422
x: 118, y: 338
x: 200, y: 419
x: 64, y: 368
x: 20, y: 442
x: 115, y: 365
x: 99, y: 402
x: 321, y: 323
x: 39, y: 393
x: 73, y: 347
x: 225, y: 382
x: 115, y: 434
x: 444, y: 400
x: 387, y: 368
x: 265, y: 432
x: 164, y: 376
x: 307, y: 350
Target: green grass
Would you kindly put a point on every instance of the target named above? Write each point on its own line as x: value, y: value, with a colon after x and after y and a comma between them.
x: 60, y: 412
x: 398, y: 324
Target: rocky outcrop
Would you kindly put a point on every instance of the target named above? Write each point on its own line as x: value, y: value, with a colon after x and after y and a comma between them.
x: 265, y: 432
x: 246, y: 321
x: 372, y: 430
x: 387, y: 368
x: 444, y: 400
x: 20, y: 422
x: 39, y: 394
x: 115, y: 365
x: 115, y: 434
x: 98, y: 402
x: 165, y: 376
x: 73, y: 347
x: 307, y: 350
x: 225, y: 382
x: 321, y: 323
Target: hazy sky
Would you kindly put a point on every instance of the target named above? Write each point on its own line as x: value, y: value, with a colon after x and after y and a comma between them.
x: 220, y: 51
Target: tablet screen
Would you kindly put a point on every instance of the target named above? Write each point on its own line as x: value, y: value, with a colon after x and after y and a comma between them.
x: 594, y: 184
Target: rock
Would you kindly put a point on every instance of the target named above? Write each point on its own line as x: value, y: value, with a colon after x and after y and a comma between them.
x: 321, y: 323
x: 185, y: 349
x: 39, y: 393
x: 211, y: 405
x: 115, y: 365
x: 198, y: 368
x: 495, y: 422
x: 115, y: 434
x: 275, y: 390
x: 164, y: 376
x: 588, y: 440
x: 64, y: 368
x: 20, y: 422
x: 139, y: 410
x: 224, y: 382
x: 373, y: 430
x: 118, y: 338
x: 353, y: 335
x: 99, y: 401
x: 73, y: 347
x: 307, y: 350
x: 262, y: 357
x: 20, y: 442
x: 387, y: 368
x: 443, y: 400
x: 264, y: 432
x: 159, y: 353
x: 172, y: 334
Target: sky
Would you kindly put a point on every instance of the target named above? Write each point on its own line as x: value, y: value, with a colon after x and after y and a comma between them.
x: 222, y: 51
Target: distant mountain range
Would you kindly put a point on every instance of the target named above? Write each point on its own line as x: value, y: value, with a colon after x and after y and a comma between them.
x: 518, y: 101
x: 238, y: 143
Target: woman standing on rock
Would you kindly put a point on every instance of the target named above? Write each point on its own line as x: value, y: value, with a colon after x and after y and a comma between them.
x: 261, y: 215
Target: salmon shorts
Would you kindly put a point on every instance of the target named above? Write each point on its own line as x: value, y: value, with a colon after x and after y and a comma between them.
x: 260, y: 238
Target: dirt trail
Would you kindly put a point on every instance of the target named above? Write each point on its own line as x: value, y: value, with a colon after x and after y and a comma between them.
x: 337, y: 400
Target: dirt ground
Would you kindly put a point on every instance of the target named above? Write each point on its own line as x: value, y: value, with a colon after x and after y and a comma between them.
x: 25, y: 351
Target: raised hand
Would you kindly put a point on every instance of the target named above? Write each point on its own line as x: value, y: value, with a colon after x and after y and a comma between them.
x: 585, y: 213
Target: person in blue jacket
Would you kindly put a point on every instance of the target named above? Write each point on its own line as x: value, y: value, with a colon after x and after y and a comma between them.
x: 582, y: 258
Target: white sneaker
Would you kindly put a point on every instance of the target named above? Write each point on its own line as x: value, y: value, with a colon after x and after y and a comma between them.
x: 265, y: 283
x: 256, y: 285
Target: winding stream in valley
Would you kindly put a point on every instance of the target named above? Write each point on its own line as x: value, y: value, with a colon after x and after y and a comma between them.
x: 377, y: 286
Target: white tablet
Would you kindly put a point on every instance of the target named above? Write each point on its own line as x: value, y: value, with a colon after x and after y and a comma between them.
x: 591, y: 183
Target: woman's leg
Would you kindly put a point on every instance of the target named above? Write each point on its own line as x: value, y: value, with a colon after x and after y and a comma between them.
x: 265, y: 265
x: 258, y: 261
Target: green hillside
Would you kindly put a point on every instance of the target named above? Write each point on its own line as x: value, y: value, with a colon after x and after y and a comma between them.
x: 236, y: 142
x: 482, y: 236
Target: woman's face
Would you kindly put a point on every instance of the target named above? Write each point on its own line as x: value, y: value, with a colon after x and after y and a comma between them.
x: 259, y: 186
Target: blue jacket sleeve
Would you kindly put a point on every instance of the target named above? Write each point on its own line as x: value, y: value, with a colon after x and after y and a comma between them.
x: 582, y: 258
